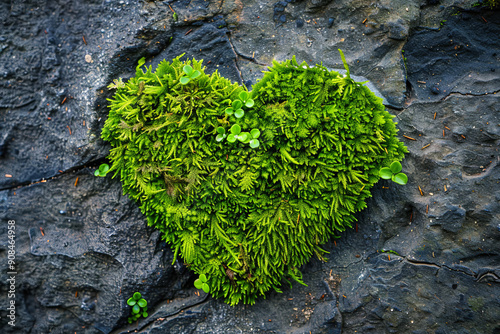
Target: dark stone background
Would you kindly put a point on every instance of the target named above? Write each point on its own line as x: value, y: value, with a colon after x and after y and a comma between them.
x: 82, y: 248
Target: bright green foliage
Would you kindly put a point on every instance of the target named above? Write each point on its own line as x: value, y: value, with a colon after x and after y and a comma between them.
x: 393, y: 173
x: 248, y: 218
x: 102, y: 170
x: 139, y: 307
x: 201, y: 283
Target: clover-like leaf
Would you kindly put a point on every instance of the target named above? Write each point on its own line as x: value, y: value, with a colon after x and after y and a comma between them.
x: 254, y: 143
x: 243, y: 96
x: 130, y: 320
x: 235, y: 130
x: 220, y: 137
x: 396, y: 167
x: 142, y: 302
x: 136, y: 309
x: 249, y: 103
x: 187, y: 69
x: 185, y: 80
x: 231, y: 138
x: 221, y: 130
x: 96, y: 173
x: 195, y: 74
x: 400, y: 178
x: 239, y: 113
x: 103, y: 168
x: 244, y: 136
x: 229, y: 111
x: 237, y: 104
x: 131, y: 301
x: 206, y: 287
x: 203, y: 278
x: 136, y: 316
x: 198, y: 283
x: 255, y: 133
x: 145, y: 314
x: 385, y: 173
x: 137, y: 296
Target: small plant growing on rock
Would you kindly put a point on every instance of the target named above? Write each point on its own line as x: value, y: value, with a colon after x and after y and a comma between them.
x: 102, y: 170
x: 139, y: 307
x: 394, y: 173
x: 248, y: 218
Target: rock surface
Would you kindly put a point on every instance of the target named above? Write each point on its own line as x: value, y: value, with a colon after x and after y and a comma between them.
x: 423, y: 258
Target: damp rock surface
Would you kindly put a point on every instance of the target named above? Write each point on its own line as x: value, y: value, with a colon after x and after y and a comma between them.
x: 422, y: 257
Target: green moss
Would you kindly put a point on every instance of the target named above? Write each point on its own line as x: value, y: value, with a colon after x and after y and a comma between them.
x: 246, y: 217
x: 476, y: 303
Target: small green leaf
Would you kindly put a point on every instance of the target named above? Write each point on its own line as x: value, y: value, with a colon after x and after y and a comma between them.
x: 136, y: 316
x: 255, y: 133
x: 385, y: 173
x: 237, y: 104
x: 185, y: 80
x: 103, y: 169
x: 229, y: 111
x: 145, y: 314
x: 195, y: 74
x: 243, y: 96
x: 254, y: 143
x: 396, y: 167
x: 206, y: 288
x: 130, y: 320
x: 235, y: 130
x: 220, y: 137
x: 188, y: 70
x: 203, y: 278
x: 142, y: 302
x: 198, y: 284
x: 231, y: 138
x: 136, y: 309
x: 400, y: 178
x: 221, y: 130
x: 249, y: 103
x: 131, y: 301
x: 137, y: 296
x: 175, y: 16
x: 243, y: 136
x: 239, y: 113
x: 96, y: 173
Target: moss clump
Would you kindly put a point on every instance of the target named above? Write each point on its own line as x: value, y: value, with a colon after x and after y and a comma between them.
x: 245, y: 217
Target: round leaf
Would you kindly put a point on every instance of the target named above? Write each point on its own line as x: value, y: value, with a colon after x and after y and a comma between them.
x: 249, y: 103
x: 195, y: 74
x: 185, y: 80
x: 136, y: 316
x: 198, y: 284
x: 145, y: 314
x: 221, y: 130
x: 396, y: 167
x: 229, y: 111
x: 243, y: 96
x: 136, y: 309
x: 142, y: 302
x: 400, y: 178
x: 103, y: 169
x: 206, y: 288
x: 385, y: 173
x: 96, y: 173
x: 137, y: 296
x: 187, y: 69
x: 203, y: 278
x: 254, y: 143
x: 243, y: 136
x: 131, y: 301
x: 239, y: 113
x: 231, y: 138
x: 255, y: 133
x: 220, y: 137
x: 235, y: 129
x: 237, y: 104
x: 130, y: 320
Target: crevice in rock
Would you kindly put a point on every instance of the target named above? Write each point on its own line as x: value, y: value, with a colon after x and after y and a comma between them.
x: 468, y: 94
x: 92, y: 163
x: 239, y: 54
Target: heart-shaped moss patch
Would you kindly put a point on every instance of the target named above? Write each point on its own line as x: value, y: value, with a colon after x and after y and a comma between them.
x: 246, y: 187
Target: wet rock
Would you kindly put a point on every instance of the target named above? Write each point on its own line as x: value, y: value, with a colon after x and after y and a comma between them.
x: 397, y: 30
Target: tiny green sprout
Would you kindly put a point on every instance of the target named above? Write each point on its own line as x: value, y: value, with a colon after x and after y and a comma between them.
x: 246, y: 101
x: 139, y: 307
x: 236, y: 109
x: 102, y: 170
x: 175, y: 16
x: 393, y: 173
x: 190, y: 74
x: 201, y: 283
x: 221, y: 133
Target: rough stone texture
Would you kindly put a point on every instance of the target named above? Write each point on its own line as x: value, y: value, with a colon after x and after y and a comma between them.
x: 415, y: 263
